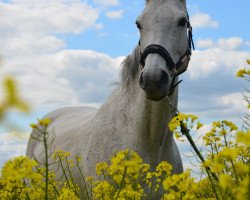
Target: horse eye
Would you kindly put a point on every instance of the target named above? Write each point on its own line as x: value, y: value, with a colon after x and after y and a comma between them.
x: 183, y: 22
x: 138, y: 25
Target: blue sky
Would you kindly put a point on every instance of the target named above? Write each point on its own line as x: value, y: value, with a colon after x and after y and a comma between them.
x: 68, y: 52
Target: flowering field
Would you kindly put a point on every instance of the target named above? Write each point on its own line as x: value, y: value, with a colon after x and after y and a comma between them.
x: 225, y: 167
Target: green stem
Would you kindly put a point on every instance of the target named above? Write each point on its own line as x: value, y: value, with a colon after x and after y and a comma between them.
x: 212, y: 184
x: 27, y: 194
x: 71, y: 178
x: 234, y: 170
x: 248, y: 192
x: 51, y: 183
x: 64, y: 173
x: 121, y: 185
x: 185, y: 131
x: 152, y: 188
x: 46, y: 166
x: 84, y: 181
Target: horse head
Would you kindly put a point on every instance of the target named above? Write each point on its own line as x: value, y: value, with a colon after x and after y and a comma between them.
x: 165, y: 46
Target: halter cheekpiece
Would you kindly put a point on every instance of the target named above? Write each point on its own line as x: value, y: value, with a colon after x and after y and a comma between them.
x: 158, y: 49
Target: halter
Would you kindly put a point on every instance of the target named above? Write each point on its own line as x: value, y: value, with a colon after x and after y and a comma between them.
x: 155, y: 48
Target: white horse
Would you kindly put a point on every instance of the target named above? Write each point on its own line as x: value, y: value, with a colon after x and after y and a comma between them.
x: 136, y: 114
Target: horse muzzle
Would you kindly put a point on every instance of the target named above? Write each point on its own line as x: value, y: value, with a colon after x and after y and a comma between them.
x: 155, y: 83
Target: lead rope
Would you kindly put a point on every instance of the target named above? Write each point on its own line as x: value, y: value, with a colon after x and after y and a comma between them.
x: 174, y: 111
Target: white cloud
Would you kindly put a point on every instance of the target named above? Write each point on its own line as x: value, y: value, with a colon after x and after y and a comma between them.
x: 203, y: 20
x: 117, y: 14
x: 65, y: 78
x: 216, y: 60
x: 231, y: 43
x: 205, y: 43
x: 108, y: 2
x: 11, y: 145
x: 232, y: 105
x: 30, y: 27
x: 45, y: 17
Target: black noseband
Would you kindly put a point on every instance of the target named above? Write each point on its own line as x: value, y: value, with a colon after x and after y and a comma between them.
x: 155, y: 48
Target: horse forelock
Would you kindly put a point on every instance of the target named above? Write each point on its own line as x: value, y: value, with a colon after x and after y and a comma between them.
x: 130, y: 67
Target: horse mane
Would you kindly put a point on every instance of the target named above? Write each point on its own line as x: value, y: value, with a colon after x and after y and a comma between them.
x: 130, y: 67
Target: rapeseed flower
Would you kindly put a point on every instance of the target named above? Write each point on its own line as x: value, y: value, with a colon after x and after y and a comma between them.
x: 243, y: 137
x: 241, y: 73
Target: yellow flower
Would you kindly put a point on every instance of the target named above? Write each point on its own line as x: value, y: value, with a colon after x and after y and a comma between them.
x: 241, y: 168
x: 145, y: 168
x: 169, y: 196
x: 103, y: 190
x: 44, y: 122
x: 128, y: 192
x: 231, y: 125
x: 67, y: 194
x: 192, y: 117
x: 163, y: 169
x: 33, y: 126
x: 17, y: 173
x: 60, y: 154
x: 78, y: 159
x: 177, y: 135
x: 243, y: 137
x: 175, y: 122
x: 199, y: 125
x: 242, y: 189
x: 241, y: 73
x: 90, y: 179
x: 12, y: 97
x: 125, y: 163
x: 226, y: 181
x: 228, y: 153
x: 217, y: 124
x: 101, y: 168
x: 182, y: 182
x: 217, y: 168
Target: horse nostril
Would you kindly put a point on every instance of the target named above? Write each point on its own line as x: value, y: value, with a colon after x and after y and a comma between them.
x: 163, y: 80
x: 141, y: 81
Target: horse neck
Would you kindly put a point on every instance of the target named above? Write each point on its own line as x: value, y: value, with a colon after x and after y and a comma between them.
x: 148, y: 120
x: 151, y: 116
